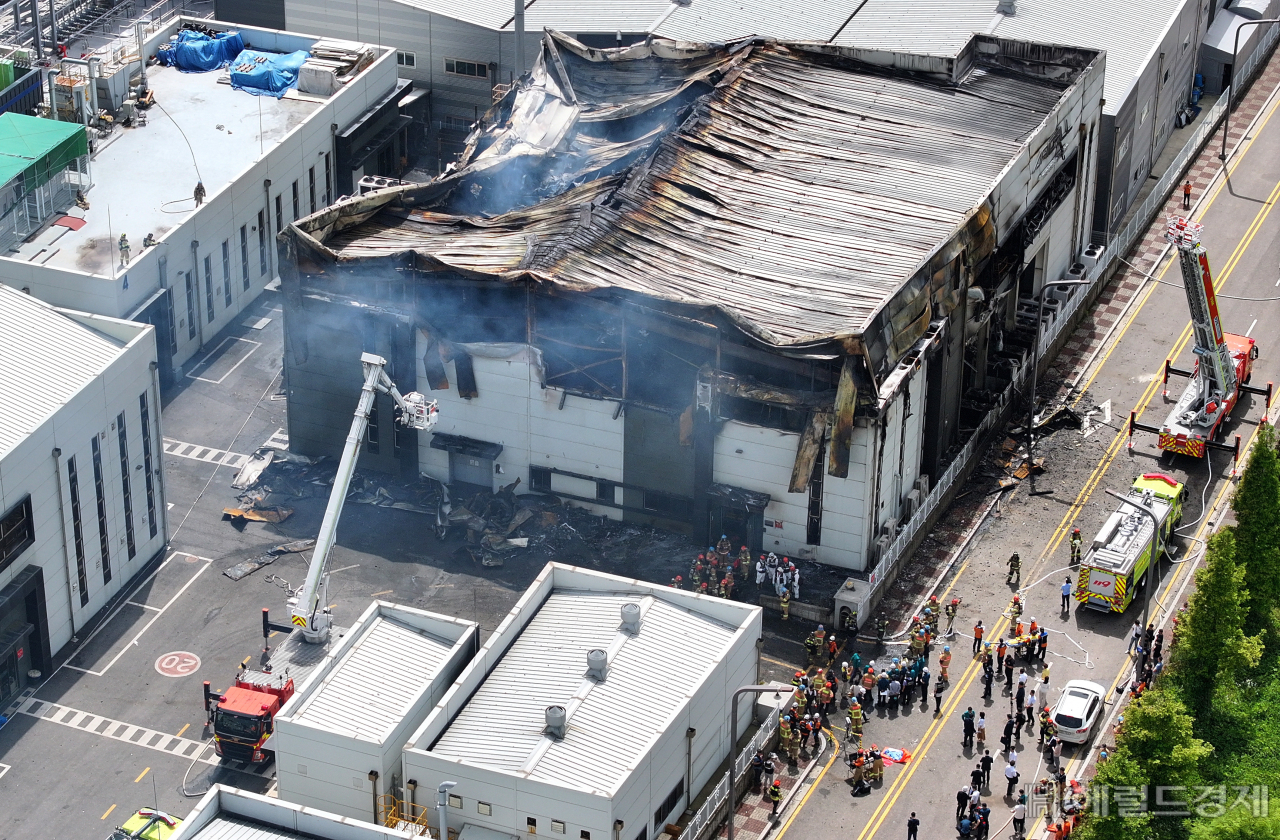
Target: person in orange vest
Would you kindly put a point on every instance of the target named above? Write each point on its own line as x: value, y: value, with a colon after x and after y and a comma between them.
x: 1034, y: 629
x: 944, y: 662
x: 1001, y: 650
x: 978, y: 630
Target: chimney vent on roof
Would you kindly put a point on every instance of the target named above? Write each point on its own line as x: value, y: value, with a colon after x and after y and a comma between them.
x: 597, y: 662
x: 1007, y: 7
x: 631, y: 619
x: 557, y: 722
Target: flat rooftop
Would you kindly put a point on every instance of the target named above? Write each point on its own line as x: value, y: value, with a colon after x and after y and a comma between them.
x: 144, y: 177
x: 373, y: 684
x: 610, y: 724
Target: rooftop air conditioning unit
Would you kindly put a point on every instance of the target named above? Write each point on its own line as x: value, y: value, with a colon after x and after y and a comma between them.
x: 922, y: 484
x: 1092, y: 256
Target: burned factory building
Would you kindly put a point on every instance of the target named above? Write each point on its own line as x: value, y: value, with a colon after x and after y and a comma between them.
x: 760, y: 289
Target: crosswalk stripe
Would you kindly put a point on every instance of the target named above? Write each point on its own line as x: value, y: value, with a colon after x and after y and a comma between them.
x: 136, y: 735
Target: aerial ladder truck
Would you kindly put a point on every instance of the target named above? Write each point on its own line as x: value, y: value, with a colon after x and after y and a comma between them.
x: 1223, y: 361
x: 243, y: 715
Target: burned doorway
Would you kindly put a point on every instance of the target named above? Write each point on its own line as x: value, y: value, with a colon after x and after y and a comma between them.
x: 737, y: 514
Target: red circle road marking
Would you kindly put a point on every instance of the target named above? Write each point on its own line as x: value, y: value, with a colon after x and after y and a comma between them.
x: 177, y: 663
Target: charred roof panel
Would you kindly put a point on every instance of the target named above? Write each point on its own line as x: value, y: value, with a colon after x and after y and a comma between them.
x: 801, y: 191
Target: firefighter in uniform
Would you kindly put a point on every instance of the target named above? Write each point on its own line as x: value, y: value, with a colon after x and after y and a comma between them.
x: 826, y: 696
x: 695, y: 571
x: 744, y: 562
x: 1015, y: 568
x: 1075, y: 546
x: 944, y: 662
x: 882, y: 628
x: 785, y: 600
x: 723, y: 547
x: 952, y: 608
x: 811, y: 647
x: 877, y: 764
x: 853, y: 727
x: 677, y: 582
x: 858, y: 761
x: 775, y: 796
x: 726, y: 585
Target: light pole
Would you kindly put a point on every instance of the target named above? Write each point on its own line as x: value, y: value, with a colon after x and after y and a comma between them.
x: 1035, y: 370
x: 1231, y: 89
x: 1151, y: 564
x: 733, y: 743
x: 442, y: 807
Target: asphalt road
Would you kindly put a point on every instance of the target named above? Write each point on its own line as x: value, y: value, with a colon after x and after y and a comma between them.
x: 1244, y: 252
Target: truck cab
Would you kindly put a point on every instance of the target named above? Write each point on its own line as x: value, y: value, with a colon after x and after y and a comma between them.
x: 243, y: 716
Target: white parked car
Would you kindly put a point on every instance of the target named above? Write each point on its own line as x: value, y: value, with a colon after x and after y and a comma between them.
x: 1078, y: 709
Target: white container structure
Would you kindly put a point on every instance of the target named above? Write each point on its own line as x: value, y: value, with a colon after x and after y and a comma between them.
x: 356, y: 711
x: 597, y: 707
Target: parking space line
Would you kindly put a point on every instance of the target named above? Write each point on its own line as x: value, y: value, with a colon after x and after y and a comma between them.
x: 208, y: 561
x: 203, y: 361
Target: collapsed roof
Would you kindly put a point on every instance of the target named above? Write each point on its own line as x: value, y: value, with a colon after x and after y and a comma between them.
x: 803, y: 193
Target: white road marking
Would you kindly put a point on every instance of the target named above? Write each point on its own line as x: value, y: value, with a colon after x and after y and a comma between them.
x: 1251, y: 326
x: 278, y: 440
x: 138, y: 736
x: 4, y: 768
x: 196, y: 452
x: 192, y: 374
x: 154, y: 618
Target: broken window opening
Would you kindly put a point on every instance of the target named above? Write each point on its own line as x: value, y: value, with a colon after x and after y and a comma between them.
x: 813, y: 522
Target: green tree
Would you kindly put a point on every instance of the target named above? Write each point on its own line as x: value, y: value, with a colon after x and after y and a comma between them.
x: 1257, y: 507
x: 1237, y: 824
x: 1212, y: 646
x: 1104, y: 822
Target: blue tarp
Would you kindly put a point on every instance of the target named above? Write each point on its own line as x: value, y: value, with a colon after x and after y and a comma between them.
x: 267, y: 73
x: 196, y: 52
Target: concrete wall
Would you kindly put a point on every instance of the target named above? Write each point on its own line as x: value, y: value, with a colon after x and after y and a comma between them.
x: 224, y: 803
x: 31, y: 469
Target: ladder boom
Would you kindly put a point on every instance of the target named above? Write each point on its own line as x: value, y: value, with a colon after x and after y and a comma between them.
x: 308, y: 608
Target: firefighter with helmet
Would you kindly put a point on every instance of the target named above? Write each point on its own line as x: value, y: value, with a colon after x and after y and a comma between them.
x: 882, y: 628
x: 1075, y: 546
x: 1015, y: 569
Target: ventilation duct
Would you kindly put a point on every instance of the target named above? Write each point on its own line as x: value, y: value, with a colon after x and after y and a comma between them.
x: 597, y: 660
x: 557, y: 722
x: 631, y: 619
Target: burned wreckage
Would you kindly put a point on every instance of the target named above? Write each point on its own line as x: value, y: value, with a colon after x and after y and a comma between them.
x: 756, y: 288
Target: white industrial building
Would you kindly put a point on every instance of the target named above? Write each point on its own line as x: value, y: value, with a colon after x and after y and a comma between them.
x: 597, y: 709
x: 357, y: 710
x: 229, y: 814
x: 263, y: 161
x: 82, y: 505
x: 782, y: 347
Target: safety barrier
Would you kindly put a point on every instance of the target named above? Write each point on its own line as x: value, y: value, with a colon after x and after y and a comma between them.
x: 704, y: 819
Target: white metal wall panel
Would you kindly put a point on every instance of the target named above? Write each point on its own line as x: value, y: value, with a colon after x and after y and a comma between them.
x: 515, y: 410
x: 765, y: 465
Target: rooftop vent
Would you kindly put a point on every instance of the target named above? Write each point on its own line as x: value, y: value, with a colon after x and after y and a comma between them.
x: 597, y: 660
x: 631, y: 619
x: 557, y: 722
x: 1007, y: 7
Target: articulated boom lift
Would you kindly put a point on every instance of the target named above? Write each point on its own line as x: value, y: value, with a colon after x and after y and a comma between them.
x: 243, y: 717
x: 1224, y: 361
x: 309, y: 605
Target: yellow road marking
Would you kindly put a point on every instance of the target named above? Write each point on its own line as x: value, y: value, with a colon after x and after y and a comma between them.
x: 383, y: 592
x: 108, y: 813
x: 835, y: 751
x: 244, y: 663
x: 184, y: 728
x: 140, y: 775
x: 273, y: 634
